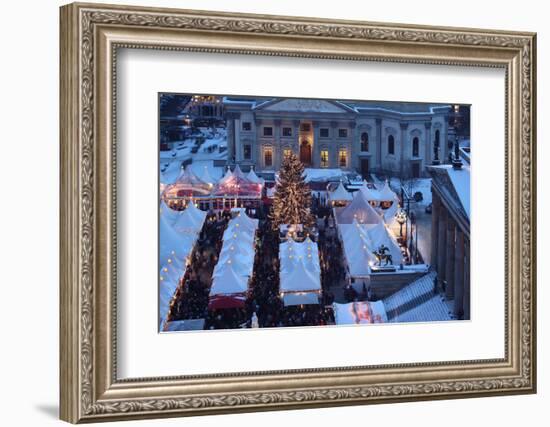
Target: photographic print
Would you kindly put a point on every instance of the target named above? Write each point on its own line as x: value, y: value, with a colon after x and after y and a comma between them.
x: 279, y: 212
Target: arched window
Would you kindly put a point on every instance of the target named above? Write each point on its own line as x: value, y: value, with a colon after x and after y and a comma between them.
x: 364, y: 141
x: 415, y: 147
x: 391, y: 145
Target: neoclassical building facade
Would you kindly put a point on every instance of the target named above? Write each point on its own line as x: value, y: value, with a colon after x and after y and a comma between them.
x: 393, y: 138
x: 450, y: 234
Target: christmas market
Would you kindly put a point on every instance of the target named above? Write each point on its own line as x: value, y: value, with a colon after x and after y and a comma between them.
x: 291, y: 232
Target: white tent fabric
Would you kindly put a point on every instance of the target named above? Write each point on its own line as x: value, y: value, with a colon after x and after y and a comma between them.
x: 360, y: 313
x: 228, y: 281
x: 170, y: 215
x: 359, y: 241
x: 176, y: 243
x: 228, y: 175
x: 300, y: 298
x: 300, y: 272
x: 252, y: 177
x: 236, y: 260
x: 359, y: 210
x: 340, y: 194
x: 386, y: 194
x: 191, y: 219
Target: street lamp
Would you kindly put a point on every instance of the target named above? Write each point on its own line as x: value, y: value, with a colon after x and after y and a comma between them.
x: 401, y: 218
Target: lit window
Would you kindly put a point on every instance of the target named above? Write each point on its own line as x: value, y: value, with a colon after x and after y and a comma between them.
x: 342, y: 133
x: 268, y: 131
x: 391, y: 145
x: 287, y: 131
x: 286, y: 153
x: 305, y: 127
x: 342, y: 158
x: 268, y: 156
x: 324, y: 158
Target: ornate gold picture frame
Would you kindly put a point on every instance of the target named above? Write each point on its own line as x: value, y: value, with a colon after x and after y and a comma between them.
x: 90, y: 37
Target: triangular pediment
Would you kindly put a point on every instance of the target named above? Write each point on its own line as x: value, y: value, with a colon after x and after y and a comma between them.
x: 304, y: 106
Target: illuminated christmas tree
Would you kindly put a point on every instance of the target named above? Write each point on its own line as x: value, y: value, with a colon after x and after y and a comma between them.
x: 292, y: 201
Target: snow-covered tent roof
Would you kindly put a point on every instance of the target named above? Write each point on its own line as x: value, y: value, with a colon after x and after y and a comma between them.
x: 386, y: 194
x: 340, y: 194
x: 169, y: 215
x: 172, y: 243
x: 359, y: 241
x: 228, y: 282
x: 191, y: 219
x: 188, y: 184
x: 204, y: 174
x: 360, y: 313
x: 300, y: 272
x: 300, y: 279
x: 252, y: 177
x: 359, y: 210
x: 236, y: 184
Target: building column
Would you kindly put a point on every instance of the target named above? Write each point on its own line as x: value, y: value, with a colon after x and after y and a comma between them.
x: 258, y: 144
x: 315, y: 150
x: 436, y: 207
x: 296, y: 136
x: 459, y: 275
x: 466, y: 282
x: 230, y: 117
x: 441, y: 244
x: 450, y: 259
x: 428, y: 147
x: 378, y: 144
x: 278, y: 151
x: 403, y: 127
x: 353, y: 153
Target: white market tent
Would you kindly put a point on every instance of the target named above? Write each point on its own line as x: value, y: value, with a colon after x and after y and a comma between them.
x: 358, y: 210
x: 360, y: 313
x: 235, y: 265
x: 252, y: 177
x: 384, y: 196
x: 359, y: 241
x: 169, y: 214
x: 192, y: 218
x: 176, y: 242
x: 340, y: 194
x: 300, y: 272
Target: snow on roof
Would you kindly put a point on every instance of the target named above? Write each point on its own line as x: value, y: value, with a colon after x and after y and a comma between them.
x: 359, y: 210
x: 192, y: 218
x: 461, y: 182
x: 228, y: 282
x: 460, y: 179
x: 317, y: 174
x: 169, y: 215
x: 299, y: 266
x: 340, y: 194
x: 206, y: 171
x: 252, y: 177
x: 359, y: 241
x: 237, y: 255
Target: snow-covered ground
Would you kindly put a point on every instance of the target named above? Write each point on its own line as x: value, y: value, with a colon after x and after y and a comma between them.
x: 213, y: 148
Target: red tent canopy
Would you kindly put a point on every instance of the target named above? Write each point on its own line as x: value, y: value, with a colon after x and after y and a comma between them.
x: 226, y: 301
